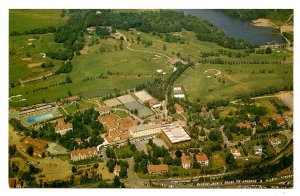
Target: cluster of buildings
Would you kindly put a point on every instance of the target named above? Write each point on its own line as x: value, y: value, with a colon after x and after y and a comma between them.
x: 277, y: 117
x: 35, y: 108
x: 186, y: 162
x: 72, y: 99
x: 39, y: 146
x: 117, y: 129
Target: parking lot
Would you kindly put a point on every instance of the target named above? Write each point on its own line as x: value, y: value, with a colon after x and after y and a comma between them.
x: 141, y: 143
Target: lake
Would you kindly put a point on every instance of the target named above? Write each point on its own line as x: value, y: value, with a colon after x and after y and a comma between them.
x: 233, y: 27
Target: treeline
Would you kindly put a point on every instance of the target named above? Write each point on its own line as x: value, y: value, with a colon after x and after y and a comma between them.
x: 241, y: 62
x: 262, y: 171
x: 65, y: 68
x: 71, y: 35
x: 162, y: 22
x: 266, y: 91
x: 44, y: 30
x: 155, y: 88
x: 252, y: 14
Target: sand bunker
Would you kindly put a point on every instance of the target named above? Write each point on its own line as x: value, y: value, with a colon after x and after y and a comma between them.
x: 31, y: 65
x: 287, y: 28
x: 263, y: 22
x: 27, y: 59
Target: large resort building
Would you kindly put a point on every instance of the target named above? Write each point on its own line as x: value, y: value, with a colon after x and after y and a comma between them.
x: 62, y: 127
x: 145, y: 130
x: 83, y: 154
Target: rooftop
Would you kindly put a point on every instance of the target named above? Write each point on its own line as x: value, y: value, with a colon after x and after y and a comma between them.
x: 278, y: 118
x: 117, y: 168
x: 178, y: 108
x: 89, y: 150
x: 157, y: 168
x: 185, y: 159
x: 143, y: 127
x: 176, y: 133
x: 61, y: 125
x: 143, y: 96
x: 275, y: 139
x: 244, y: 125
x: 201, y: 157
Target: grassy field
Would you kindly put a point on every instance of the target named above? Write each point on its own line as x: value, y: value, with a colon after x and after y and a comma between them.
x: 198, y: 86
x: 20, y: 50
x: 126, y: 69
x: 121, y: 114
x: 23, y: 20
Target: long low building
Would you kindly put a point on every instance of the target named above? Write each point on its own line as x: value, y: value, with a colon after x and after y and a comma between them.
x: 144, y: 130
x: 175, y: 134
x: 83, y: 154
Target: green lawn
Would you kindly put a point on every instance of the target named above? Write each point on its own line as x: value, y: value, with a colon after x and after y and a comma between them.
x: 71, y: 108
x: 198, y: 86
x: 19, y: 48
x: 121, y: 114
x: 271, y: 109
x: 129, y: 69
x: 124, y: 152
x: 238, y: 137
x: 22, y: 20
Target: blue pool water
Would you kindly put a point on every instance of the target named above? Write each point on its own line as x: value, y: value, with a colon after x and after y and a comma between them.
x: 39, y: 118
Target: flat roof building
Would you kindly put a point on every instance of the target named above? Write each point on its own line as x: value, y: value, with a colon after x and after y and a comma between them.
x: 178, y: 92
x: 144, y: 130
x: 175, y: 134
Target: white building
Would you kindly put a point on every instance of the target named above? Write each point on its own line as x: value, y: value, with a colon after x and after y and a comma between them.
x: 144, y: 130
x: 175, y: 133
x: 178, y: 92
x: 235, y: 152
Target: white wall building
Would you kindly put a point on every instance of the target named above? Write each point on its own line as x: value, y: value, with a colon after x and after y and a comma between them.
x: 144, y: 130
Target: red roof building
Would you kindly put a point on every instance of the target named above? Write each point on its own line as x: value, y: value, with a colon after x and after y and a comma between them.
x: 202, y: 159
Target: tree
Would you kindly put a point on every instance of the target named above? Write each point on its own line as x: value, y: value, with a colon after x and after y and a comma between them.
x: 74, y: 169
x: 164, y: 47
x: 96, y: 165
x: 30, y: 150
x: 117, y: 182
x: 215, y: 135
x: 68, y: 79
x: 12, y: 149
x: 202, y: 132
x: 268, y: 50
x: 178, y: 153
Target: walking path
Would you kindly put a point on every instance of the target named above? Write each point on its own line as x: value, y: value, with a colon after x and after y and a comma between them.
x: 146, y: 51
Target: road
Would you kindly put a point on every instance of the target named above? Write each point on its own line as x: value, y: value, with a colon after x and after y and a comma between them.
x: 133, y: 181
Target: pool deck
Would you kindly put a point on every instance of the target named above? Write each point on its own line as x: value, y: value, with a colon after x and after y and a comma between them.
x: 54, y: 111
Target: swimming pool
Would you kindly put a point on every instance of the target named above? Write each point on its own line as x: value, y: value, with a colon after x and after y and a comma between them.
x: 40, y: 118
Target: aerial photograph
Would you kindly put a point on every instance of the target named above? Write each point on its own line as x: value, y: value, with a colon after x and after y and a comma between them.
x: 151, y: 98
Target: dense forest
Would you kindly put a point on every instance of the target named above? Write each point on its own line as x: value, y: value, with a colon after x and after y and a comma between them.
x: 252, y: 14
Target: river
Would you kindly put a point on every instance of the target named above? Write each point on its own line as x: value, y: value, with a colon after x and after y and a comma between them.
x: 233, y: 27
